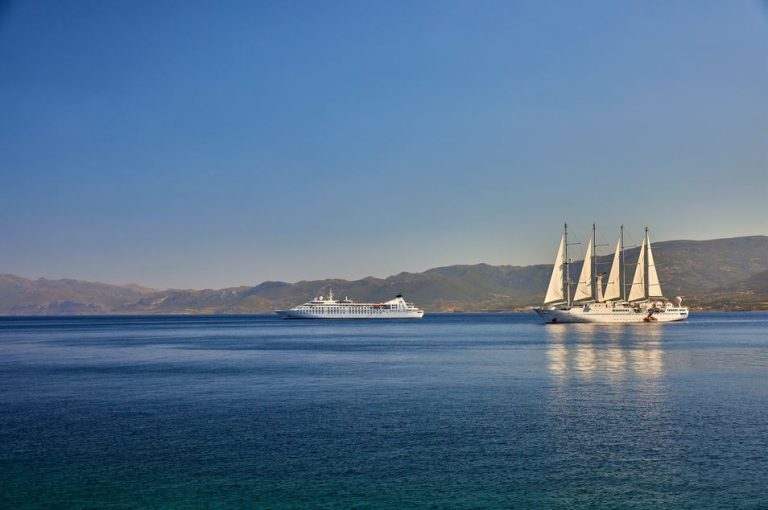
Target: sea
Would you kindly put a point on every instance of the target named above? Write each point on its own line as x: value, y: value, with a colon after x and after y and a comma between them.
x: 450, y: 411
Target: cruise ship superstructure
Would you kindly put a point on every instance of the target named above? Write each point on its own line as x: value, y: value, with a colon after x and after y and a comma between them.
x: 330, y: 308
x: 645, y: 302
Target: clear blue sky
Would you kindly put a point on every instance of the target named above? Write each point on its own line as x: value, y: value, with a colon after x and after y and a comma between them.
x: 208, y: 144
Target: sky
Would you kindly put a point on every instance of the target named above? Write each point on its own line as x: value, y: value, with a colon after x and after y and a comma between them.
x: 213, y: 144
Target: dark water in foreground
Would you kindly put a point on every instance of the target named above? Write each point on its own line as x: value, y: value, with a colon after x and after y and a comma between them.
x: 453, y: 411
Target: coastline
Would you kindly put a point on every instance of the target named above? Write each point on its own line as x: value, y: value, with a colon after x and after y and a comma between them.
x: 516, y: 311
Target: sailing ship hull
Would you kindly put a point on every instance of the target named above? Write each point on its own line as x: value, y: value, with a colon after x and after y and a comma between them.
x: 611, y: 315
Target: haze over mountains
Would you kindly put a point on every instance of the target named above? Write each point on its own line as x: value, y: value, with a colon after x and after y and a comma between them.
x: 721, y: 273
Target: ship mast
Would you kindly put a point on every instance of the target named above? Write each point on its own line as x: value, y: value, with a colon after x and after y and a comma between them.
x: 568, y: 281
x: 567, y: 263
x: 623, y: 268
x: 646, y: 287
x: 594, y: 263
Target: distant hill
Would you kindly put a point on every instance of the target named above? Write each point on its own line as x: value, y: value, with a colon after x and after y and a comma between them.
x: 720, y: 273
x: 748, y: 294
x: 20, y: 296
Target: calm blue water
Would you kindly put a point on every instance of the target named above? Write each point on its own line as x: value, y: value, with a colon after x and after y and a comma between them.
x: 453, y: 411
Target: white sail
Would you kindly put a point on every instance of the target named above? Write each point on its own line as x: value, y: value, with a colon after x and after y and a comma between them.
x: 555, y: 289
x: 637, y: 292
x: 584, y: 288
x: 613, y: 289
x: 654, y: 287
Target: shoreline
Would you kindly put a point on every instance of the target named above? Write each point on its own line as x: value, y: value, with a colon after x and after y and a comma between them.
x: 272, y: 314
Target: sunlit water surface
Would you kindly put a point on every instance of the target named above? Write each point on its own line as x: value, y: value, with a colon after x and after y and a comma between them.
x: 452, y: 411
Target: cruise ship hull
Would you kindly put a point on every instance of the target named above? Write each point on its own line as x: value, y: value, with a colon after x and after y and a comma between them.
x: 383, y: 314
x: 611, y: 315
x: 329, y: 308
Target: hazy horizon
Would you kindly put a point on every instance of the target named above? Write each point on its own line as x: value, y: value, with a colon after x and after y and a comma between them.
x: 208, y: 148
x: 602, y: 250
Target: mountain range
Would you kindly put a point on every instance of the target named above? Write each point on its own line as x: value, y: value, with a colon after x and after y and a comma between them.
x: 717, y: 274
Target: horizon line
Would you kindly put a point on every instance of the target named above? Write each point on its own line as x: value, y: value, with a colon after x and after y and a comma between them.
x: 155, y: 289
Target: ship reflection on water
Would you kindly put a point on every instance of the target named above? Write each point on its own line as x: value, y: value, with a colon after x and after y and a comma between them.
x: 608, y: 402
x: 613, y: 353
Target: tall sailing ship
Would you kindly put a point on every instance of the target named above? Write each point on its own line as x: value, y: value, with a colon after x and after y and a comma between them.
x: 590, y: 303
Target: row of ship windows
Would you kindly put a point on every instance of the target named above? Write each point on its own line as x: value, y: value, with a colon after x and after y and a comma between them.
x: 625, y: 310
x: 638, y: 310
x: 342, y: 310
x: 347, y: 308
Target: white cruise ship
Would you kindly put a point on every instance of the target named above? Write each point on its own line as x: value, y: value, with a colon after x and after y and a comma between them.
x: 590, y: 303
x: 329, y: 308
